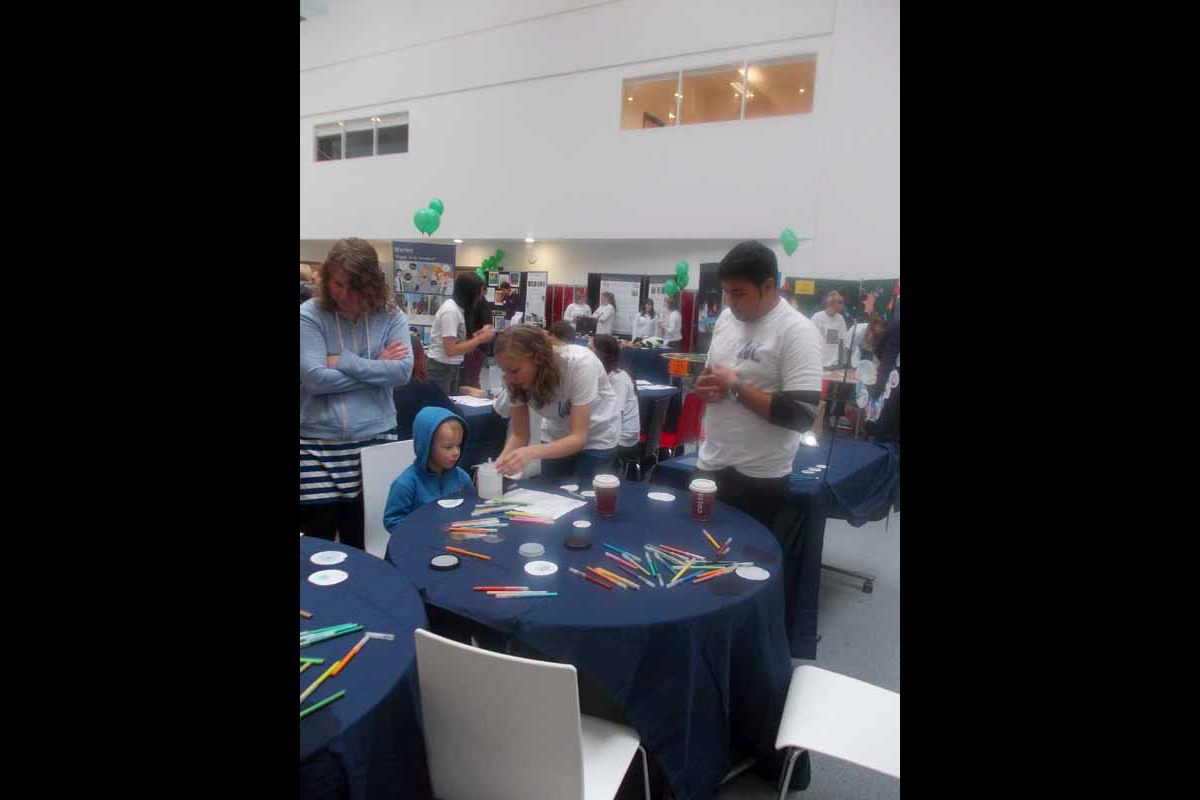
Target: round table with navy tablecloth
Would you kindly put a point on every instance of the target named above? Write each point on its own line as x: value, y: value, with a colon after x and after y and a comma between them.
x: 698, y: 669
x: 368, y: 743
x: 486, y: 432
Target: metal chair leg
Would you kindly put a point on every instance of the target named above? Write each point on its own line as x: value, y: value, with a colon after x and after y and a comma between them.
x: 645, y: 771
x: 868, y: 580
x: 786, y: 778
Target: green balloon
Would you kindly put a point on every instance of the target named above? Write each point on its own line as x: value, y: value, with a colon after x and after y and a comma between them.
x: 434, y: 219
x: 681, y: 274
x: 482, y: 275
x: 419, y: 219
x: 670, y: 288
x: 789, y: 241
x: 437, y: 206
x: 499, y: 256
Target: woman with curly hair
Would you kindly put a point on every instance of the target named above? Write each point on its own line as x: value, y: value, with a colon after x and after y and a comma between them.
x: 353, y: 353
x: 569, y: 388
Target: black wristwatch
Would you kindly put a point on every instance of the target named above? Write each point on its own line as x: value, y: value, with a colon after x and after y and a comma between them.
x: 735, y: 389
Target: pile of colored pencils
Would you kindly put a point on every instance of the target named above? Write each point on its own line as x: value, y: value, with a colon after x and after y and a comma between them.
x: 309, y: 638
x: 656, y: 562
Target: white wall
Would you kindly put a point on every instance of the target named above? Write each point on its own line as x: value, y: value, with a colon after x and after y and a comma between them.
x: 514, y: 123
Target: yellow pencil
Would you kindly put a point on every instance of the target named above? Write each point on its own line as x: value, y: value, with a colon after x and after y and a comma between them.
x: 711, y: 539
x: 612, y: 576
x: 682, y: 570
x: 317, y: 682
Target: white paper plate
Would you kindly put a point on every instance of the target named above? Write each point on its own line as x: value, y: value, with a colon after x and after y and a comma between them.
x: 662, y: 496
x: 327, y: 577
x: 531, y: 550
x: 811, y: 471
x: 450, y: 503
x: 328, y: 557
x: 541, y: 568
x: 588, y: 493
x: 582, y: 523
x: 570, y: 487
x: 752, y: 573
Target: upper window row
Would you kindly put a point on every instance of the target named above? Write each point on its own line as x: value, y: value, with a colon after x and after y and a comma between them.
x: 373, y: 136
x: 718, y: 94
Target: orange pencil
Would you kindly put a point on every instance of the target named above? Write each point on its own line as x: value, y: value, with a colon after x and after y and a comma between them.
x: 468, y: 553
x: 597, y: 572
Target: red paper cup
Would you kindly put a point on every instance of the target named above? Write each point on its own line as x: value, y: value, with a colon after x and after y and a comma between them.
x: 605, y: 487
x: 704, y: 492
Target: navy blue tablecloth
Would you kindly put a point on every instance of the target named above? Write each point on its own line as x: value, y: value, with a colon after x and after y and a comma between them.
x: 368, y: 744
x: 858, y: 485
x: 486, y: 432
x: 647, y: 364
x: 698, y: 670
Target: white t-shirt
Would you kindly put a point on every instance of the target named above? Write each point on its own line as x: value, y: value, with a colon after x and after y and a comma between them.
x: 448, y: 321
x: 832, y: 330
x: 673, y: 327
x: 643, y: 326
x: 780, y: 352
x: 604, y: 319
x: 583, y: 381
x: 627, y: 408
x: 576, y: 310
x: 854, y: 340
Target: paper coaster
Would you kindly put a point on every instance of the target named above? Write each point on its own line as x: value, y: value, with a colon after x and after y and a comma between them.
x: 820, y: 466
x: 663, y: 496
x: 494, y: 538
x: 570, y: 487
x: 328, y: 557
x: 444, y: 562
x: 531, y: 550
x: 752, y: 573
x: 541, y: 568
x: 588, y: 493
x: 811, y: 471
x: 327, y: 577
x: 581, y: 523
x: 450, y: 503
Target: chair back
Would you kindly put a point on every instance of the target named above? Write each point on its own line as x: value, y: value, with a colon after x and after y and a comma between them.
x: 498, y: 726
x: 381, y: 464
x: 690, y: 419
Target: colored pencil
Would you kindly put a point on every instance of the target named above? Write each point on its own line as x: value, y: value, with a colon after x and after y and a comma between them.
x: 468, y: 553
x: 587, y: 577
x: 313, y: 687
x: 708, y: 536
x: 715, y: 574
x: 602, y: 579
x: 305, y: 666
x: 321, y: 704
x: 624, y: 565
x: 679, y: 574
x: 346, y: 658
x: 683, y: 553
x: 622, y: 561
x: 595, y: 571
x: 312, y: 660
x: 306, y: 614
x: 612, y: 576
x: 499, y: 588
x: 650, y: 561
x: 523, y: 594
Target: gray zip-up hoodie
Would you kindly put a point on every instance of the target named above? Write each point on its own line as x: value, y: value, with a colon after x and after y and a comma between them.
x: 353, y: 401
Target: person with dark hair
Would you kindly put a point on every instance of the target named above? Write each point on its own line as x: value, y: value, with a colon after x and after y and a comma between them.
x: 510, y: 298
x: 448, y: 341
x: 579, y: 308
x: 472, y: 366
x: 643, y: 324
x: 627, y: 420
x: 563, y: 331
x: 605, y: 313
x: 353, y: 353
x: 862, y: 338
x: 569, y: 388
x: 418, y: 393
x: 762, y: 381
x: 887, y: 348
x: 671, y: 328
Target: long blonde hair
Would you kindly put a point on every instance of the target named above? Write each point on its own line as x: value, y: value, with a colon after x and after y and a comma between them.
x: 529, y: 341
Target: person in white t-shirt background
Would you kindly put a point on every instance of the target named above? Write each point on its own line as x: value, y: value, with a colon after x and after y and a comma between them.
x: 605, y: 313
x: 832, y: 327
x: 644, y: 325
x: 577, y: 309
x: 568, y: 387
x: 672, y: 327
x: 608, y: 350
x: 448, y: 341
x: 762, y: 381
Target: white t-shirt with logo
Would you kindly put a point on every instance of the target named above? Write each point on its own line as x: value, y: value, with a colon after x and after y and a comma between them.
x: 604, y: 319
x: 629, y: 422
x: 779, y: 353
x: 583, y: 381
x: 832, y: 330
x: 448, y: 321
x: 576, y: 310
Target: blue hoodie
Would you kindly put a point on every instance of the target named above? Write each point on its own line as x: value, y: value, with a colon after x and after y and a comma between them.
x: 417, y: 486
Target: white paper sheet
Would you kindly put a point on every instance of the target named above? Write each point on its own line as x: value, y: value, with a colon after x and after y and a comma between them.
x: 467, y: 400
x: 652, y: 386
x: 544, y: 504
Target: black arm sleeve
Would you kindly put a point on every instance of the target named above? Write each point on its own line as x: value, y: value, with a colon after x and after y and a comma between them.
x: 795, y: 411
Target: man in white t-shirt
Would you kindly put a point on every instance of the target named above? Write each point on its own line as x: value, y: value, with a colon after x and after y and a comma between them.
x: 577, y: 309
x: 762, y: 382
x: 832, y: 327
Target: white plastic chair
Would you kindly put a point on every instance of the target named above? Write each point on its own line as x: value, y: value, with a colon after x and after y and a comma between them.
x: 841, y: 717
x: 381, y: 464
x: 509, y: 728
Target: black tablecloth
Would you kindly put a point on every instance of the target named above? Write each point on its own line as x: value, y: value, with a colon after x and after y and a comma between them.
x: 860, y: 483
x: 368, y: 743
x: 697, y: 669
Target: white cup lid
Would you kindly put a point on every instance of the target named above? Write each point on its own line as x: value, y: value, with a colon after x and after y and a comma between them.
x: 703, y: 485
x: 606, y: 482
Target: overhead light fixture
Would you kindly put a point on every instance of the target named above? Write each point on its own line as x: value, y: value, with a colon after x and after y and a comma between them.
x: 630, y: 99
x: 528, y: 240
x: 342, y: 124
x: 458, y: 241
x: 677, y: 94
x: 801, y: 91
x: 671, y: 114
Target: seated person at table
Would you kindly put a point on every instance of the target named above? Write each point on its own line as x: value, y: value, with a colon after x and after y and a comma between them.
x: 563, y: 331
x: 569, y: 389
x: 627, y: 419
x: 418, y: 393
x: 438, y: 436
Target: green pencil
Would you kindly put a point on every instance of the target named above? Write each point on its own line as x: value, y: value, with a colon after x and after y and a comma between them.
x: 304, y: 659
x: 321, y: 704
x: 312, y: 688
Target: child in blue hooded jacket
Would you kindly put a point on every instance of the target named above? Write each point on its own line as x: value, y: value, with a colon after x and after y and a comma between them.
x: 438, y: 436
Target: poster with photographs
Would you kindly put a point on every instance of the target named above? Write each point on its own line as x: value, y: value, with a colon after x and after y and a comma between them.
x: 535, y: 298
x: 422, y: 278
x: 626, y: 294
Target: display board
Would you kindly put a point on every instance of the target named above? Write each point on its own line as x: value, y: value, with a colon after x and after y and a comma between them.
x: 535, y: 297
x: 626, y: 293
x: 422, y: 278
x: 878, y: 295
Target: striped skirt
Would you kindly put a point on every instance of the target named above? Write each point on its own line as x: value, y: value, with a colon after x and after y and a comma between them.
x: 331, y: 470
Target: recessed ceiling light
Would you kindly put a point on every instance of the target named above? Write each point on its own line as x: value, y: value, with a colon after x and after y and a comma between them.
x: 801, y: 91
x: 630, y: 99
x: 342, y: 124
x: 528, y: 240
x: 458, y: 241
x: 671, y: 115
x: 677, y: 94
